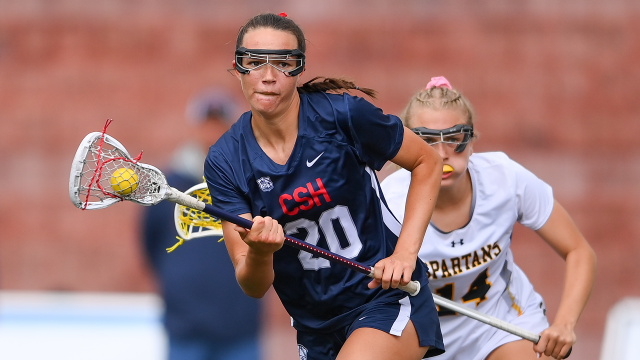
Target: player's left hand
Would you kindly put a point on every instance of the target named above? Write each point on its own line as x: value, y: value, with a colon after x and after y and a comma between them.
x: 393, y: 271
x: 556, y: 341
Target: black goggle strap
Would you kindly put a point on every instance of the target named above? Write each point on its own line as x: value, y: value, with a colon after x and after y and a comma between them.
x: 299, y: 55
x: 458, y: 129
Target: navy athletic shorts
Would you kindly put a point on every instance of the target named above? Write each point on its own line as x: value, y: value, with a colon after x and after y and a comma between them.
x: 390, y: 317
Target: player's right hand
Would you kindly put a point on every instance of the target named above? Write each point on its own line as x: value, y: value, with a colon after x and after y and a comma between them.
x: 265, y: 236
x: 393, y: 271
x: 556, y: 341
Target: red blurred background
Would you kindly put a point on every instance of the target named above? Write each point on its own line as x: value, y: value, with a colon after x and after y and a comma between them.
x: 553, y: 85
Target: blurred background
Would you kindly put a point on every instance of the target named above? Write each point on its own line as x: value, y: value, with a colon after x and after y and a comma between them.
x: 554, y: 85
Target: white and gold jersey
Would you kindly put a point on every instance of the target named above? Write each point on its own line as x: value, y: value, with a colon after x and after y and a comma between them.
x: 474, y: 265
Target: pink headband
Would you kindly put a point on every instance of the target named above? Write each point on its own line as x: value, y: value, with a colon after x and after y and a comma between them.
x: 439, y: 81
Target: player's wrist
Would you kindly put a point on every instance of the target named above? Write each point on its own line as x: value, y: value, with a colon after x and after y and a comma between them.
x: 566, y: 324
x: 407, y: 255
x: 257, y: 257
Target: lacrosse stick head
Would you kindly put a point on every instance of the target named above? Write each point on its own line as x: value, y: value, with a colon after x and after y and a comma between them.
x: 99, y: 160
x: 192, y: 223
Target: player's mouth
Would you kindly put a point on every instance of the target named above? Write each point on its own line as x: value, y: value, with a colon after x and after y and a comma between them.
x: 447, y: 170
x: 268, y: 93
x: 266, y: 96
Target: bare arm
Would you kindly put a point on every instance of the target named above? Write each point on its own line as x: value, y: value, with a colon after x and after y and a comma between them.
x: 564, y: 237
x: 252, y: 252
x: 425, y: 165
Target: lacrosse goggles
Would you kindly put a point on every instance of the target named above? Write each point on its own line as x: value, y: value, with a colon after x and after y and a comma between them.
x: 458, y: 136
x: 289, y: 62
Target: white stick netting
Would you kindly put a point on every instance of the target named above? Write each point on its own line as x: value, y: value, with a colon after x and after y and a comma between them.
x: 103, y: 172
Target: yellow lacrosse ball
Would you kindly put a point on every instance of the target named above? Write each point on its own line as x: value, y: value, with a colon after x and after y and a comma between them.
x: 124, y: 181
x: 447, y: 169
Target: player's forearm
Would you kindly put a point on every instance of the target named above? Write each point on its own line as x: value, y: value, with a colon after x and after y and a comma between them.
x: 579, y: 279
x: 254, y: 273
x: 421, y: 199
x: 564, y: 237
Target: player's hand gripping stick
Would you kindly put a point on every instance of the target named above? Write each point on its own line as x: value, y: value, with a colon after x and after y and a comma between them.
x: 173, y: 195
x: 489, y: 320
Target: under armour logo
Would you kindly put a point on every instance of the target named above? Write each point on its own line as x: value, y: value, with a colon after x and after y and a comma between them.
x: 453, y: 243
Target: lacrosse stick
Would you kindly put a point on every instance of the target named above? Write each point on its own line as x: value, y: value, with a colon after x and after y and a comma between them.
x: 489, y: 320
x: 192, y: 223
x: 96, y: 182
x: 203, y: 225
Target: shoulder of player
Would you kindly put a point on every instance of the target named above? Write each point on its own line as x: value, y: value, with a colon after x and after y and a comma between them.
x: 495, y: 166
x: 496, y: 159
x: 486, y: 159
x: 336, y: 100
x: 327, y: 112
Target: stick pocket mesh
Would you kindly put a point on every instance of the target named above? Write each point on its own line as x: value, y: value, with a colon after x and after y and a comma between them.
x: 192, y: 223
x: 100, y: 158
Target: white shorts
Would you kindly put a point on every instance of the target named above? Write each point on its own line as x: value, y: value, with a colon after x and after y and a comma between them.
x: 468, y: 339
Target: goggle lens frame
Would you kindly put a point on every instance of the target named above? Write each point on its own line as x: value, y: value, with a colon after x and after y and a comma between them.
x: 267, y: 56
x: 447, y: 136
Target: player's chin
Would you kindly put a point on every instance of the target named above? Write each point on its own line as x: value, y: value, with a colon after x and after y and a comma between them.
x: 446, y: 182
x: 266, y: 103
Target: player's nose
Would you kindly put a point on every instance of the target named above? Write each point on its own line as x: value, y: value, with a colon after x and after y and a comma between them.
x: 441, y: 148
x: 269, y: 73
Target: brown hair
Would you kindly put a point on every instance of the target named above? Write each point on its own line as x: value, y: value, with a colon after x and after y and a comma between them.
x: 438, y: 98
x: 278, y: 22
x: 332, y: 84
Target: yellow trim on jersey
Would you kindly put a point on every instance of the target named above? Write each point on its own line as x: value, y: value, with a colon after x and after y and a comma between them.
x: 513, y: 301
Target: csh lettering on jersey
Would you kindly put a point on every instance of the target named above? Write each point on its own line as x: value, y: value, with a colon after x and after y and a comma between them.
x: 457, y: 265
x: 304, y: 198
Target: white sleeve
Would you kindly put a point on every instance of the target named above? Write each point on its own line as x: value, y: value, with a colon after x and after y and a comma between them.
x: 534, y: 198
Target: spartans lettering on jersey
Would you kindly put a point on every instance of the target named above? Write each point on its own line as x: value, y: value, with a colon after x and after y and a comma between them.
x: 457, y: 265
x: 304, y: 198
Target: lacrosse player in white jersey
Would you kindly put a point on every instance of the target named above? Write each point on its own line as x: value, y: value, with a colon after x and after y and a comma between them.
x: 467, y: 244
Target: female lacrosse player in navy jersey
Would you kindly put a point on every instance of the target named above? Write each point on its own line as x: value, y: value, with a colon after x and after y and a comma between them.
x: 302, y: 162
x: 467, y: 245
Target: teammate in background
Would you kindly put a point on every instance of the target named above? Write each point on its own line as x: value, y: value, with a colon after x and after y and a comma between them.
x: 207, y: 316
x: 467, y: 245
x: 305, y: 158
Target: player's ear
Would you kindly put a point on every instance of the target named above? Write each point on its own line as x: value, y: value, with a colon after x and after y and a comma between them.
x: 234, y: 70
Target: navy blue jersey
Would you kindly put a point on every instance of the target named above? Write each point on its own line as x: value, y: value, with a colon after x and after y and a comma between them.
x: 326, y: 194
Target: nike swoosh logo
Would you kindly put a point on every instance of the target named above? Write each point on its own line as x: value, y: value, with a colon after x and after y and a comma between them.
x: 310, y: 164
